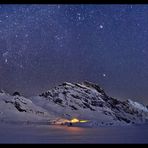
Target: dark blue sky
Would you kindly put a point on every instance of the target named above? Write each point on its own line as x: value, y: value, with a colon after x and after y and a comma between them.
x: 43, y: 45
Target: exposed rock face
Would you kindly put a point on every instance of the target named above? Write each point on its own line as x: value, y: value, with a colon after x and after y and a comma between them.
x: 16, y: 94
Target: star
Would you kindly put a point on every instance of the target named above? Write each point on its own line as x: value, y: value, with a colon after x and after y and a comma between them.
x: 26, y: 35
x: 104, y: 75
x: 59, y: 6
x: 101, y: 26
x: 5, y: 54
x: 6, y: 60
x: 21, y: 66
x: 138, y: 24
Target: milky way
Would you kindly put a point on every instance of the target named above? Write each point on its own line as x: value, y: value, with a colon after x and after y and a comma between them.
x: 44, y: 45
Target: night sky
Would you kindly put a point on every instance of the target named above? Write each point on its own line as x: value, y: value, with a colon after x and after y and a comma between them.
x: 42, y: 46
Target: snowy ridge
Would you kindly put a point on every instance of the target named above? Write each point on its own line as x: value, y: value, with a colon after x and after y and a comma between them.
x: 138, y: 105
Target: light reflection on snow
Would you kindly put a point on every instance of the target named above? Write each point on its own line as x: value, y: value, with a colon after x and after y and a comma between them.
x: 68, y: 129
x: 75, y: 129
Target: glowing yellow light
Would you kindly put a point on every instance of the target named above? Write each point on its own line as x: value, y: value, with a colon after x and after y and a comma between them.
x: 83, y: 121
x: 74, y: 120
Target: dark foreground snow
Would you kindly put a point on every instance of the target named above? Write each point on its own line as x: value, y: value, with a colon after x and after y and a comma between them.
x: 62, y: 134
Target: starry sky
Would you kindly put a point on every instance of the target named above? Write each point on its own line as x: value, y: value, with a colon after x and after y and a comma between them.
x: 42, y: 46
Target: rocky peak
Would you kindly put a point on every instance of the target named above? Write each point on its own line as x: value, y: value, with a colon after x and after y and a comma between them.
x: 95, y: 86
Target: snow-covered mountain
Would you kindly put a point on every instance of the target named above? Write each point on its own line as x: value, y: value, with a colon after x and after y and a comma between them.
x: 88, y: 101
x: 18, y: 108
x: 84, y: 101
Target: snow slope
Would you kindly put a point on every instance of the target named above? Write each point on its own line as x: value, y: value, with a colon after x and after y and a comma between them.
x: 18, y: 108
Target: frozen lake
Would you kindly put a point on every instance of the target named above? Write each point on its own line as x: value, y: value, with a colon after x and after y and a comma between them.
x: 63, y: 134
